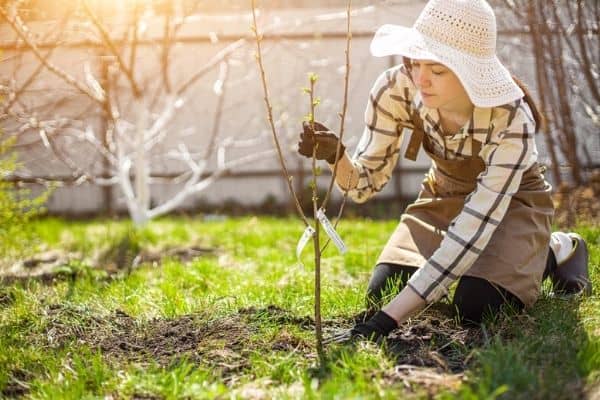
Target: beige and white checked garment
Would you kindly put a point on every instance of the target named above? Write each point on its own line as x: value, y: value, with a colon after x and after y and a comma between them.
x: 506, y: 134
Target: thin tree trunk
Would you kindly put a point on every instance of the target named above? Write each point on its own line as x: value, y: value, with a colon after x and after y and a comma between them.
x: 316, y: 241
x: 105, y: 126
x: 142, y: 190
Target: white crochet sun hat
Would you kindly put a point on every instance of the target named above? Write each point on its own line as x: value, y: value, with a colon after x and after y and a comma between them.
x: 460, y: 34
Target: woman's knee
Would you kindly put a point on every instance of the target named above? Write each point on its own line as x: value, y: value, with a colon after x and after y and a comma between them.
x: 387, y: 279
x: 476, y: 300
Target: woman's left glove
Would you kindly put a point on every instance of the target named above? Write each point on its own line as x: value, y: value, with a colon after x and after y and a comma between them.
x: 321, y: 138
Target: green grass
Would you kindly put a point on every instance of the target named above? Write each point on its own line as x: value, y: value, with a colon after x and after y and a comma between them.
x: 247, y: 310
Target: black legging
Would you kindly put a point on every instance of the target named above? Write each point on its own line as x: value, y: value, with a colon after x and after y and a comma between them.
x: 474, y: 298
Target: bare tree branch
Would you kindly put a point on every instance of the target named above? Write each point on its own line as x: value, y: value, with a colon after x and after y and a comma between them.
x: 220, y: 88
x: 134, y: 35
x: 166, y: 47
x: 18, y: 27
x: 214, y: 61
x: 111, y: 45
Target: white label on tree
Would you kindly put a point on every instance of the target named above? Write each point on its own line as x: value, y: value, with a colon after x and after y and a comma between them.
x: 330, y: 230
x: 308, y: 232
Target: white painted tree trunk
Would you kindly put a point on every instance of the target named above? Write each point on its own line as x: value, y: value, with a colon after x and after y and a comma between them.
x: 141, y: 167
x: 133, y: 156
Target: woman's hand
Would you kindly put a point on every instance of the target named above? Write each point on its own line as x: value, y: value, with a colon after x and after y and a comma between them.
x: 323, y: 139
x: 375, y: 329
x: 404, y: 305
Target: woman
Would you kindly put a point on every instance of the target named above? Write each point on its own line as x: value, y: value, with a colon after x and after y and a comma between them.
x: 483, y: 215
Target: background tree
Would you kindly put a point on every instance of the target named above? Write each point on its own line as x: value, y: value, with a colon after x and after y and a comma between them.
x: 564, y: 40
x: 16, y: 207
x: 115, y: 126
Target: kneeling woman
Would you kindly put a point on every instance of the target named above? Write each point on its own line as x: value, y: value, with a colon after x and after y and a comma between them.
x: 484, y: 212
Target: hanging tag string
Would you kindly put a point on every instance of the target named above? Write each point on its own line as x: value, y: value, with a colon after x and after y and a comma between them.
x: 330, y: 230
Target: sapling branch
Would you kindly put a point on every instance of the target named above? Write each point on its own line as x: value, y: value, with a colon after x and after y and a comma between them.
x: 316, y: 236
x: 286, y: 174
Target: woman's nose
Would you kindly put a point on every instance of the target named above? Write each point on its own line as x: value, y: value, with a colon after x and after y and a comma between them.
x: 421, y: 79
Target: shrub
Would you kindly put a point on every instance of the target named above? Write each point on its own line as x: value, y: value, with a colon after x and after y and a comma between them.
x: 17, y: 206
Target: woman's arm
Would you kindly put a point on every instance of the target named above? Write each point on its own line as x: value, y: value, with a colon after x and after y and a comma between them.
x: 389, y: 106
x: 404, y: 305
x: 347, y: 174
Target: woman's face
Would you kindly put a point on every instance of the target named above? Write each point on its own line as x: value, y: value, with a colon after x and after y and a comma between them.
x: 440, y: 88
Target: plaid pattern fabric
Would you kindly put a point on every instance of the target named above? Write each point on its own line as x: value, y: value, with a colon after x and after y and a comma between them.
x: 506, y: 134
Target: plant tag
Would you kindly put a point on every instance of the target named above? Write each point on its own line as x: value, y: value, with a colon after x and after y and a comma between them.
x: 308, y: 232
x: 337, y: 240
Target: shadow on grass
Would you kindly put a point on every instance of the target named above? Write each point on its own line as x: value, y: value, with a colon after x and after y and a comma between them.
x: 545, y: 354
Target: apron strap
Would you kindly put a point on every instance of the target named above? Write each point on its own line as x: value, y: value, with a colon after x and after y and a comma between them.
x: 416, y: 138
x: 475, y: 148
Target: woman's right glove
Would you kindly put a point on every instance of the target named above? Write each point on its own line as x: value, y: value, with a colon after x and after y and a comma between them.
x: 323, y: 139
x: 375, y: 329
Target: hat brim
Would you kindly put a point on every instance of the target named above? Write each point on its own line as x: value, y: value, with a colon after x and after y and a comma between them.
x: 487, y: 82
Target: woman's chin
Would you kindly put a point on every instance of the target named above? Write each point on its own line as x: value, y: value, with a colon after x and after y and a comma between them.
x: 429, y: 101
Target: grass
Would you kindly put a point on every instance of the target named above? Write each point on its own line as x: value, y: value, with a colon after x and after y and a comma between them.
x: 236, y: 322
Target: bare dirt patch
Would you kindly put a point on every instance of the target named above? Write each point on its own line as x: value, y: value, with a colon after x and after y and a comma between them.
x: 55, y: 264
x: 126, y: 256
x: 17, y: 385
x: 431, y: 341
x: 196, y: 338
x: 432, y: 351
x: 44, y: 266
x: 434, y: 342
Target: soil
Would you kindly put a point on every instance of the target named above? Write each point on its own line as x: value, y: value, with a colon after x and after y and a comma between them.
x: 432, y: 340
x: 195, y: 337
x: 432, y: 351
x: 17, y: 385
x: 43, y: 266
x: 52, y: 265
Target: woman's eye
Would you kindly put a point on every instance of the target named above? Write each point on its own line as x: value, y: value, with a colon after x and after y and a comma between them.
x: 437, y: 72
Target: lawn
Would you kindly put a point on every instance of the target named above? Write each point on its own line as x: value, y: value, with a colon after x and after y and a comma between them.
x: 221, y: 308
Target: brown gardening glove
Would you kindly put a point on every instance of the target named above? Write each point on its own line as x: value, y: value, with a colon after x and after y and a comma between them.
x: 325, y: 141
